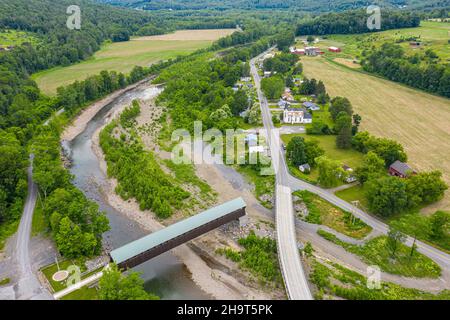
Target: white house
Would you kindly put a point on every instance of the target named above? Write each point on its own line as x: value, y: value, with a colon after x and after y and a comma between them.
x: 292, y: 115
x: 256, y: 149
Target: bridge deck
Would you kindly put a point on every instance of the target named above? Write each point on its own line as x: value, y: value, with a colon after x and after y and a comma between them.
x: 145, y: 248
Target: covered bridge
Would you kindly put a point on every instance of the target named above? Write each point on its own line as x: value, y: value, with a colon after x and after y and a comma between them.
x: 156, y: 243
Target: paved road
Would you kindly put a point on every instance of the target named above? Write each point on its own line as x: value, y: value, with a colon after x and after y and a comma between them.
x: 28, y: 286
x: 284, y: 177
x: 291, y: 267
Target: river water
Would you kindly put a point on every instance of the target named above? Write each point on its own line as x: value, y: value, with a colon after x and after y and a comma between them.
x: 164, y: 275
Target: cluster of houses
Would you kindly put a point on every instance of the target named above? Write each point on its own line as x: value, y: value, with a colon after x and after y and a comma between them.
x: 296, y: 115
x: 313, y: 51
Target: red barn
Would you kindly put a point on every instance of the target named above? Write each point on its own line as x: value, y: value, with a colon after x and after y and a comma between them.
x: 400, y: 169
x: 334, y: 49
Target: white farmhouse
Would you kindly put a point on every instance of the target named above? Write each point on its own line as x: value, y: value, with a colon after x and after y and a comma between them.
x: 293, y: 115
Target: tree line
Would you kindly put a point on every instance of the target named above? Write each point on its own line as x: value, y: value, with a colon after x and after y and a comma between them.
x: 355, y: 21
x: 422, y: 70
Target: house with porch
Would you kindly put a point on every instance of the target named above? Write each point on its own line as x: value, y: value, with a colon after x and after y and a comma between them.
x: 296, y: 115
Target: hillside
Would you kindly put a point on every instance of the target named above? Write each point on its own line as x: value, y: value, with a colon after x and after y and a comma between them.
x: 304, y: 5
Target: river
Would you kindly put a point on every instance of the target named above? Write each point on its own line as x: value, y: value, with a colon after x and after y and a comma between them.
x: 164, y: 275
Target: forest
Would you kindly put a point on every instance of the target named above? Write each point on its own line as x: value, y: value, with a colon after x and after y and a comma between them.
x: 353, y: 22
x: 303, y: 5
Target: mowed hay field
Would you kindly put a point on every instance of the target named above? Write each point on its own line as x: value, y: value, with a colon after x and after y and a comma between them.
x: 123, y: 56
x: 419, y: 121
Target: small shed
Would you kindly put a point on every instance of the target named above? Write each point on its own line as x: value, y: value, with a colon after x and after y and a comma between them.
x: 305, y: 168
x: 401, y: 169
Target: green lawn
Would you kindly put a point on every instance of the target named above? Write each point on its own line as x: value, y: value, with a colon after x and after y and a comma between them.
x: 350, y: 157
x: 356, y: 193
x: 50, y: 270
x: 375, y: 252
x: 119, y: 56
x: 324, y: 213
x: 85, y: 293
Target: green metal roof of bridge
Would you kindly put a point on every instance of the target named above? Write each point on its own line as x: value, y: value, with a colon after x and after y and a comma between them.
x: 154, y: 239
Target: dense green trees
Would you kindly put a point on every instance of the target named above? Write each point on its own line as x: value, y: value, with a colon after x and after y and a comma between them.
x: 338, y: 105
x: 299, y: 151
x: 343, y: 129
x: 114, y: 285
x: 387, y: 195
x: 372, y: 167
x: 296, y: 151
x: 355, y: 21
x: 425, y: 188
x: 136, y: 171
x: 389, y: 150
x: 331, y: 172
x: 273, y: 87
x: 281, y: 63
x: 75, y: 222
x: 13, y: 185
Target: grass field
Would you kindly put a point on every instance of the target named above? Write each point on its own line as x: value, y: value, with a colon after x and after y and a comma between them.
x: 13, y: 37
x: 349, y: 157
x: 417, y: 120
x: 123, y: 56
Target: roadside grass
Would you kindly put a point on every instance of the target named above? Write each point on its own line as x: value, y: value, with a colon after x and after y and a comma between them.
x: 398, y: 113
x: 264, y: 185
x: 324, y: 213
x: 355, y: 193
x: 5, y: 281
x: 376, y: 252
x: 7, y: 229
x: 332, y: 279
x: 38, y: 225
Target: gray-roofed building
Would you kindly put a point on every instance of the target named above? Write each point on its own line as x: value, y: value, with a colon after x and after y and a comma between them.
x: 311, y: 106
x: 401, y: 169
x: 156, y: 243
